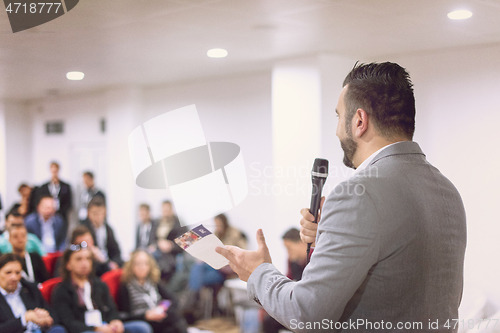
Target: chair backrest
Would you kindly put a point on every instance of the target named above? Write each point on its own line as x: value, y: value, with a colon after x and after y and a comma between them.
x: 47, y: 287
x: 50, y: 260
x: 112, y: 279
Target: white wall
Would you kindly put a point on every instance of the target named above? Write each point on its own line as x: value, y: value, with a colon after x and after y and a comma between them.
x: 458, y: 112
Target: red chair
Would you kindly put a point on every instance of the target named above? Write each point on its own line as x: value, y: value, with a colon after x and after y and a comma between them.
x: 112, y: 279
x: 50, y: 260
x: 47, y: 287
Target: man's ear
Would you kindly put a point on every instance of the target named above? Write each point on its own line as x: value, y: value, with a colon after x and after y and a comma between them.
x: 360, y: 123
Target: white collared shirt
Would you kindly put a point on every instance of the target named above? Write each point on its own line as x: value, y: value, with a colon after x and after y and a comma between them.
x: 48, y: 235
x: 18, y: 308
x: 370, y: 158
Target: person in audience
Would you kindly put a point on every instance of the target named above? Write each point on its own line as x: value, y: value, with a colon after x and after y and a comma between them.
x: 83, y: 301
x: 34, y: 244
x: 89, y: 191
x: 25, y: 206
x: 82, y: 234
x: 297, y: 260
x: 165, y: 250
x: 141, y: 297
x: 146, y: 231
x: 60, y: 191
x: 34, y: 269
x: 22, y: 306
x: 47, y: 226
x: 103, y: 235
x: 227, y: 234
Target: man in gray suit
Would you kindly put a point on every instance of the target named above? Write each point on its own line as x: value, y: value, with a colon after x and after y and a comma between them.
x: 389, y: 248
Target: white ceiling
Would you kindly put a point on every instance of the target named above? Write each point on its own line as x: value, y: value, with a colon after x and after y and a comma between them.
x: 147, y: 42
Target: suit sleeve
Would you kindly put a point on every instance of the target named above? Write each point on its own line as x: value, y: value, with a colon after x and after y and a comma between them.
x: 109, y: 302
x: 347, y: 246
x: 60, y: 236
x: 13, y: 325
x: 114, y: 252
x: 42, y: 303
x: 41, y: 273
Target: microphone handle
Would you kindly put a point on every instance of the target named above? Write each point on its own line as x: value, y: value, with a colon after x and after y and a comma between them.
x: 317, y: 188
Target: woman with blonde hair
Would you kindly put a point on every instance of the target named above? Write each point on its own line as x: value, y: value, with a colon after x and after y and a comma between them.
x: 142, y: 298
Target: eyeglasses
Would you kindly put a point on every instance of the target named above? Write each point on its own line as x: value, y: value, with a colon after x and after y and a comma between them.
x: 78, y: 247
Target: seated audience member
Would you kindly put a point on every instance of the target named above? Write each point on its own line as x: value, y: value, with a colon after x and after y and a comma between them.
x: 165, y: 249
x: 88, y: 192
x: 83, y: 302
x: 34, y: 269
x: 204, y: 275
x: 102, y: 233
x: 25, y: 206
x: 34, y: 244
x: 141, y: 297
x: 297, y: 260
x: 22, y: 306
x: 82, y: 234
x: 146, y: 231
x: 47, y: 225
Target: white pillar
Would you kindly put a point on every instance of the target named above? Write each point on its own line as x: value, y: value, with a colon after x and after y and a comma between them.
x: 296, y: 105
x: 123, y: 107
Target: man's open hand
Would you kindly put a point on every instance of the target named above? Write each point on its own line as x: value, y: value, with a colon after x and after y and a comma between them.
x: 245, y: 262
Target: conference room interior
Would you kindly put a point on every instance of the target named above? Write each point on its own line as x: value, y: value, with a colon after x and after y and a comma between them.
x: 273, y: 94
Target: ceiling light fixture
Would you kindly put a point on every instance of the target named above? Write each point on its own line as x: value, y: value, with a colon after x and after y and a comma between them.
x: 461, y: 14
x: 75, y: 76
x: 217, y: 53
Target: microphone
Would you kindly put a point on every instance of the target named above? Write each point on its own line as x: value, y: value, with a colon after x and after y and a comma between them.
x: 318, y: 174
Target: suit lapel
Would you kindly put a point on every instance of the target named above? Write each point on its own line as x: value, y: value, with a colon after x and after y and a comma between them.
x: 26, y: 297
x: 5, y: 309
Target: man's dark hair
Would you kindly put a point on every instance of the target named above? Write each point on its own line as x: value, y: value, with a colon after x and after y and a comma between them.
x: 79, y: 231
x: 385, y: 92
x: 292, y: 235
x: 14, y: 211
x: 89, y: 174
x: 43, y: 196
x: 9, y: 257
x: 167, y: 202
x: 17, y: 226
x: 97, y: 201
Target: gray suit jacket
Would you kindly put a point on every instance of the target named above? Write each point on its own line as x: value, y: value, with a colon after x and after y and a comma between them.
x: 389, y: 251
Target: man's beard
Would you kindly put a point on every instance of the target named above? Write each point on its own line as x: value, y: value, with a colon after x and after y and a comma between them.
x: 349, y: 146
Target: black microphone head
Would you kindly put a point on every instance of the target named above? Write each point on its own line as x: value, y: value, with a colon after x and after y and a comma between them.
x: 320, y: 168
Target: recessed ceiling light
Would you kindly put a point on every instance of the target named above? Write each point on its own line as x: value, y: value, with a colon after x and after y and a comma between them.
x: 217, y: 53
x: 459, y: 14
x: 75, y: 75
